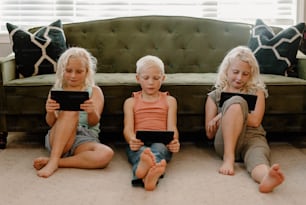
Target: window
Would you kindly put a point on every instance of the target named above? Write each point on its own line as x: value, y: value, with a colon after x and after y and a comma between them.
x: 29, y: 13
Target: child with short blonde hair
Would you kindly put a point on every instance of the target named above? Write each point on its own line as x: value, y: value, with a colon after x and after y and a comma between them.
x: 149, y: 109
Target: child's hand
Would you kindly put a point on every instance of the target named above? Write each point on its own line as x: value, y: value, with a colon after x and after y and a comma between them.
x: 135, y: 144
x: 51, y: 105
x: 174, y: 146
x: 213, y: 125
x: 88, y: 106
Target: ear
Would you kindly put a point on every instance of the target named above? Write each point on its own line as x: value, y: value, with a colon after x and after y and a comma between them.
x: 163, y: 77
x: 137, y: 77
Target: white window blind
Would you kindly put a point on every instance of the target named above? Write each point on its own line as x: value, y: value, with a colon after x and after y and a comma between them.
x: 29, y: 13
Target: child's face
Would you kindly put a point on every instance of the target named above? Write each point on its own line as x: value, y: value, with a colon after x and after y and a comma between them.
x: 238, y: 75
x: 75, y: 74
x: 150, y: 79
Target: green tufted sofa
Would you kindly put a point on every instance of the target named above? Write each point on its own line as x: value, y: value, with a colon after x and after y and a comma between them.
x: 191, y: 48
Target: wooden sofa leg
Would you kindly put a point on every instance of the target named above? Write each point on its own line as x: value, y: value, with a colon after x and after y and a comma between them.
x: 3, y: 140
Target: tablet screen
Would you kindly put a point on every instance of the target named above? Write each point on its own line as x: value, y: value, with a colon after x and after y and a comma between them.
x: 251, y: 99
x: 149, y: 137
x: 69, y: 100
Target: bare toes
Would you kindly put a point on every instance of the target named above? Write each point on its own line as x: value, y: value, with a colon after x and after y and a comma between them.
x: 40, y: 162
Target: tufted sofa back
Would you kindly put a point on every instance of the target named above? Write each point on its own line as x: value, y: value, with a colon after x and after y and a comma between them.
x: 185, y: 44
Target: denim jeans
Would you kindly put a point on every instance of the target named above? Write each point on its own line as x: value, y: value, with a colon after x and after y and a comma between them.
x: 160, y: 152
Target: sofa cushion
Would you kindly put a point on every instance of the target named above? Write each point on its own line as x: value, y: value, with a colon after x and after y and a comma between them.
x: 37, y: 53
x: 276, y: 53
x: 123, y: 79
x: 120, y: 79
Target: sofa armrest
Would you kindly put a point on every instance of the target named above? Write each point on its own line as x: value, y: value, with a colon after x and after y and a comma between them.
x: 8, y: 68
x: 301, y: 66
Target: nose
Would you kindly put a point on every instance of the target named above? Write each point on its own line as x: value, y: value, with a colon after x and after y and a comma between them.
x: 239, y: 76
x: 72, y: 74
x: 151, y: 80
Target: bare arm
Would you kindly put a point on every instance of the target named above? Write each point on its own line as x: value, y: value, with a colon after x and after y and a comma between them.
x: 51, y: 109
x: 128, y: 130
x: 94, y: 106
x: 174, y: 145
x: 172, y: 116
x: 212, y: 118
x: 256, y: 116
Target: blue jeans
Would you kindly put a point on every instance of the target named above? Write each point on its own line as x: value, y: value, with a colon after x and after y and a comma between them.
x: 160, y: 152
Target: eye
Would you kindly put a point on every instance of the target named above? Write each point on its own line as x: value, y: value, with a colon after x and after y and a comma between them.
x: 246, y: 73
x: 156, y: 77
x: 145, y: 77
x: 235, y: 71
x: 68, y: 70
x: 79, y: 71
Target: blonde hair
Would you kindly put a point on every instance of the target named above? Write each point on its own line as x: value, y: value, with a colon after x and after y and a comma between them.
x: 246, y: 55
x: 149, y: 61
x: 88, y: 60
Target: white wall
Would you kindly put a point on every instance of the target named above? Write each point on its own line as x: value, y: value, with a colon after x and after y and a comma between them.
x: 5, y: 46
x: 5, y: 49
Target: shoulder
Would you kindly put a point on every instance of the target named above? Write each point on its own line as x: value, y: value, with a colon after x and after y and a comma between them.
x: 213, y: 92
x: 166, y: 95
x: 129, y: 102
x: 171, y: 100
x: 136, y: 94
x: 260, y: 93
x: 214, y: 95
x: 97, y: 90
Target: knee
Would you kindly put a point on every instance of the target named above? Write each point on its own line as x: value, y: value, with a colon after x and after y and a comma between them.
x: 235, y: 106
x: 233, y: 111
x: 158, y: 147
x: 105, y: 156
x: 109, y: 153
x: 69, y: 115
x: 235, y: 103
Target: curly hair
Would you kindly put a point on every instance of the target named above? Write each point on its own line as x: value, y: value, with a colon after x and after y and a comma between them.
x: 246, y: 55
x: 88, y: 60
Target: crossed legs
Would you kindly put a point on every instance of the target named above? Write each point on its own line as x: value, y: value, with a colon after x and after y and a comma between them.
x: 149, y: 170
x: 62, y: 136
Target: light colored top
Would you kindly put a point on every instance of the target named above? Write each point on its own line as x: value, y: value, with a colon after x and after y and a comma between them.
x: 83, y: 122
x: 150, y: 115
x: 83, y: 118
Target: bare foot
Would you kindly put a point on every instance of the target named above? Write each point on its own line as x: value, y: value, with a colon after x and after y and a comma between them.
x: 150, y: 181
x: 48, y: 169
x: 147, y: 160
x: 227, y: 168
x: 274, y: 178
x: 40, y: 162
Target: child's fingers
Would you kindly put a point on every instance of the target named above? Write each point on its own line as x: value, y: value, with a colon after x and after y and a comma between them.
x: 174, y: 145
x: 135, y: 144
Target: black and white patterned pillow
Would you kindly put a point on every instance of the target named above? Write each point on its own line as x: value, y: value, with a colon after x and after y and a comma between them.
x: 37, y: 53
x: 275, y: 53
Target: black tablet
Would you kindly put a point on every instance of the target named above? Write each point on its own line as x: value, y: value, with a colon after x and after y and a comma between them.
x: 69, y: 100
x: 251, y: 99
x: 149, y: 137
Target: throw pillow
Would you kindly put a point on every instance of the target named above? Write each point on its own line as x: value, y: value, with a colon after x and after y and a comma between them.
x: 275, y: 53
x: 37, y: 53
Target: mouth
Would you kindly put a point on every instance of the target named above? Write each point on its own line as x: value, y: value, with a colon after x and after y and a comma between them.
x: 239, y: 83
x: 150, y: 89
